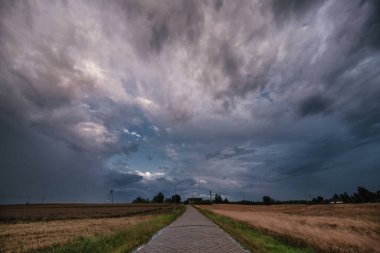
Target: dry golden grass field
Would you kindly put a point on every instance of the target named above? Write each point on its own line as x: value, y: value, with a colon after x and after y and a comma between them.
x: 74, y: 211
x: 328, y: 228
x: 29, y: 227
x: 19, y: 237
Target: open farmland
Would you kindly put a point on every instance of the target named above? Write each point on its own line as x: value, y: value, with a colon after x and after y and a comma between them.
x: 75, y: 211
x: 328, y: 228
x: 34, y: 235
x: 31, y: 227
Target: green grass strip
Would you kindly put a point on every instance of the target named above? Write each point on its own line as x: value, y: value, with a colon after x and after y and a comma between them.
x: 250, y: 238
x: 122, y: 241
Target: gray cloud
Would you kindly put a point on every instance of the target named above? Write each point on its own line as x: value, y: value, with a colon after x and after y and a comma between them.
x: 132, y: 148
x: 120, y: 180
x: 246, y: 97
x: 313, y: 105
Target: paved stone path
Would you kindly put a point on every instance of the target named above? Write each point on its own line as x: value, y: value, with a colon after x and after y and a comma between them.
x: 192, y: 232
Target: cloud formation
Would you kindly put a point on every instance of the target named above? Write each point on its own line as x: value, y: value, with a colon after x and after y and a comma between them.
x: 242, y: 97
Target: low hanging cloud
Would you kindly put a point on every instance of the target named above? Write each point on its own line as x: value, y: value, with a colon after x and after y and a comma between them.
x: 253, y: 97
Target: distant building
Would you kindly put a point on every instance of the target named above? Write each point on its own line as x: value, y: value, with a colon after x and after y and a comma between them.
x: 194, y: 200
x: 336, y: 202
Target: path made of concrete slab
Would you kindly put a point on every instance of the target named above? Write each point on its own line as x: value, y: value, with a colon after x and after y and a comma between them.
x: 192, y: 232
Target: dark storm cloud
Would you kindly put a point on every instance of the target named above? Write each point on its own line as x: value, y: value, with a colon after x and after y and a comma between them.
x: 159, y: 36
x: 290, y: 9
x: 120, y: 180
x: 132, y: 148
x: 218, y: 4
x: 308, y: 159
x: 34, y: 165
x: 364, y: 122
x: 229, y: 153
x: 371, y: 35
x: 241, y: 97
x: 164, y: 23
x: 314, y: 105
x: 148, y: 189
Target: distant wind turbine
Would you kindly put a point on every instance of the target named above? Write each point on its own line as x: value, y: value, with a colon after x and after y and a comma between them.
x: 110, y: 197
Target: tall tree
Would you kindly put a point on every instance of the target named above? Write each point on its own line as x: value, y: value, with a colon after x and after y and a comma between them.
x: 159, y: 198
x: 267, y: 200
x: 365, y: 195
x: 218, y: 198
x: 140, y: 200
x: 176, y: 199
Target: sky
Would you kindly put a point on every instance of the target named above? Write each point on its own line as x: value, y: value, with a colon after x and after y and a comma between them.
x: 244, y: 98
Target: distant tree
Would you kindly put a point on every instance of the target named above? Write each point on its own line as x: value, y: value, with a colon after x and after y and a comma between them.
x: 319, y: 200
x: 345, y: 197
x: 362, y: 195
x: 366, y: 195
x: 159, y: 198
x: 140, y: 200
x: 267, y: 200
x: 176, y: 199
x: 225, y: 200
x: 218, y: 198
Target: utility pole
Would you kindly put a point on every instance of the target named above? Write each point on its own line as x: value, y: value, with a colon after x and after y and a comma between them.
x: 175, y: 194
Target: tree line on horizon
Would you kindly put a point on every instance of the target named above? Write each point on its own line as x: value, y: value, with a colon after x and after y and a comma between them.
x: 176, y: 198
x: 159, y: 198
x: 361, y: 195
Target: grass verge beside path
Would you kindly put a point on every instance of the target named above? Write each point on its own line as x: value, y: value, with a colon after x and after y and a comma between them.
x: 250, y: 238
x: 122, y: 241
